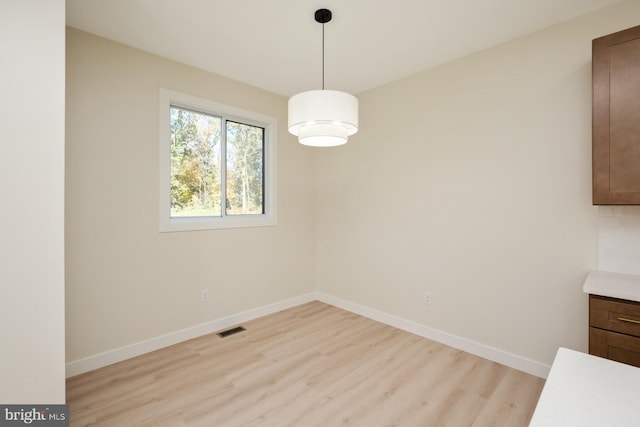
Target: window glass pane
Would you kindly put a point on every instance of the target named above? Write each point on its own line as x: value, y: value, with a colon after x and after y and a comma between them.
x: 195, y: 163
x: 245, y: 169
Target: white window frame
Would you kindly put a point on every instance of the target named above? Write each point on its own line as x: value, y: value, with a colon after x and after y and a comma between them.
x: 169, y: 98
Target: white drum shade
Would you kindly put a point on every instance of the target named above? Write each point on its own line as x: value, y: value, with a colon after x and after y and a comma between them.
x: 323, y: 118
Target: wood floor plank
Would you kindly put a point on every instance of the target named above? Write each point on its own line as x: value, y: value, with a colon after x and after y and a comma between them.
x: 311, y: 365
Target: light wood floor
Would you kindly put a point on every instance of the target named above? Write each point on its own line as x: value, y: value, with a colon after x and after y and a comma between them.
x: 312, y: 365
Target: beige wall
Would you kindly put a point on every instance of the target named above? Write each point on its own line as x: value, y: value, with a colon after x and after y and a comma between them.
x: 472, y: 181
x: 126, y: 282
x: 32, y: 199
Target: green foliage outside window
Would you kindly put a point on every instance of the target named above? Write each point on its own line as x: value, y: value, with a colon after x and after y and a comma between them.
x: 244, y: 169
x: 197, y: 169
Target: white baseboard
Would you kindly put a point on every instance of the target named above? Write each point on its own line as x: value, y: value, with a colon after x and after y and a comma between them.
x: 508, y: 359
x: 100, y: 360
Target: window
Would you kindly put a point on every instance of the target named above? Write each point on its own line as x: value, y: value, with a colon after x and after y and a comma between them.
x: 217, y: 165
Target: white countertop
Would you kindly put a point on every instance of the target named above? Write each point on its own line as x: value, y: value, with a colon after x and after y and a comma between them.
x: 588, y: 391
x: 614, y: 285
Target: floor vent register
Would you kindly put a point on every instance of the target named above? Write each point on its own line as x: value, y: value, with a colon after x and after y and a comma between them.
x: 231, y: 331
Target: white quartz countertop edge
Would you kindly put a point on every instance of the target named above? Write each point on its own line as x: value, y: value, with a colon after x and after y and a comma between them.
x: 588, y: 391
x: 614, y: 285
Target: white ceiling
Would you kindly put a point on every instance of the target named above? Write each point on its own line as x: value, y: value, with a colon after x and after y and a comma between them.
x: 277, y: 45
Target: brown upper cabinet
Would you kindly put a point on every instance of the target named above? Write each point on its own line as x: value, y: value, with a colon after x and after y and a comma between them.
x: 616, y: 118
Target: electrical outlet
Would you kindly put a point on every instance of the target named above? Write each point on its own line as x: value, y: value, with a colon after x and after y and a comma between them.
x: 427, y: 297
x: 204, y: 295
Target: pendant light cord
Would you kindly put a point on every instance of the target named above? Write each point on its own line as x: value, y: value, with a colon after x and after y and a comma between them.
x: 323, y: 16
x: 323, y: 56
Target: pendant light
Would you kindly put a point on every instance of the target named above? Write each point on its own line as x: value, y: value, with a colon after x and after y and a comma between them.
x: 323, y: 118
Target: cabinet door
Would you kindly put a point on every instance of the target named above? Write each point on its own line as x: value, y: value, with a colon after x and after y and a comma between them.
x: 614, y: 346
x: 616, y: 118
x: 614, y: 315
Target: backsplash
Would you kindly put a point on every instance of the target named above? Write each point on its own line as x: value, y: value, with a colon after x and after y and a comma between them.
x: 619, y: 239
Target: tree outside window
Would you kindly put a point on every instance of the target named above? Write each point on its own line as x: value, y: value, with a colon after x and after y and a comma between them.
x: 200, y: 180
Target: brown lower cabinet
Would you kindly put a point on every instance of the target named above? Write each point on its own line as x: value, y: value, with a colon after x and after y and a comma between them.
x: 614, y: 329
